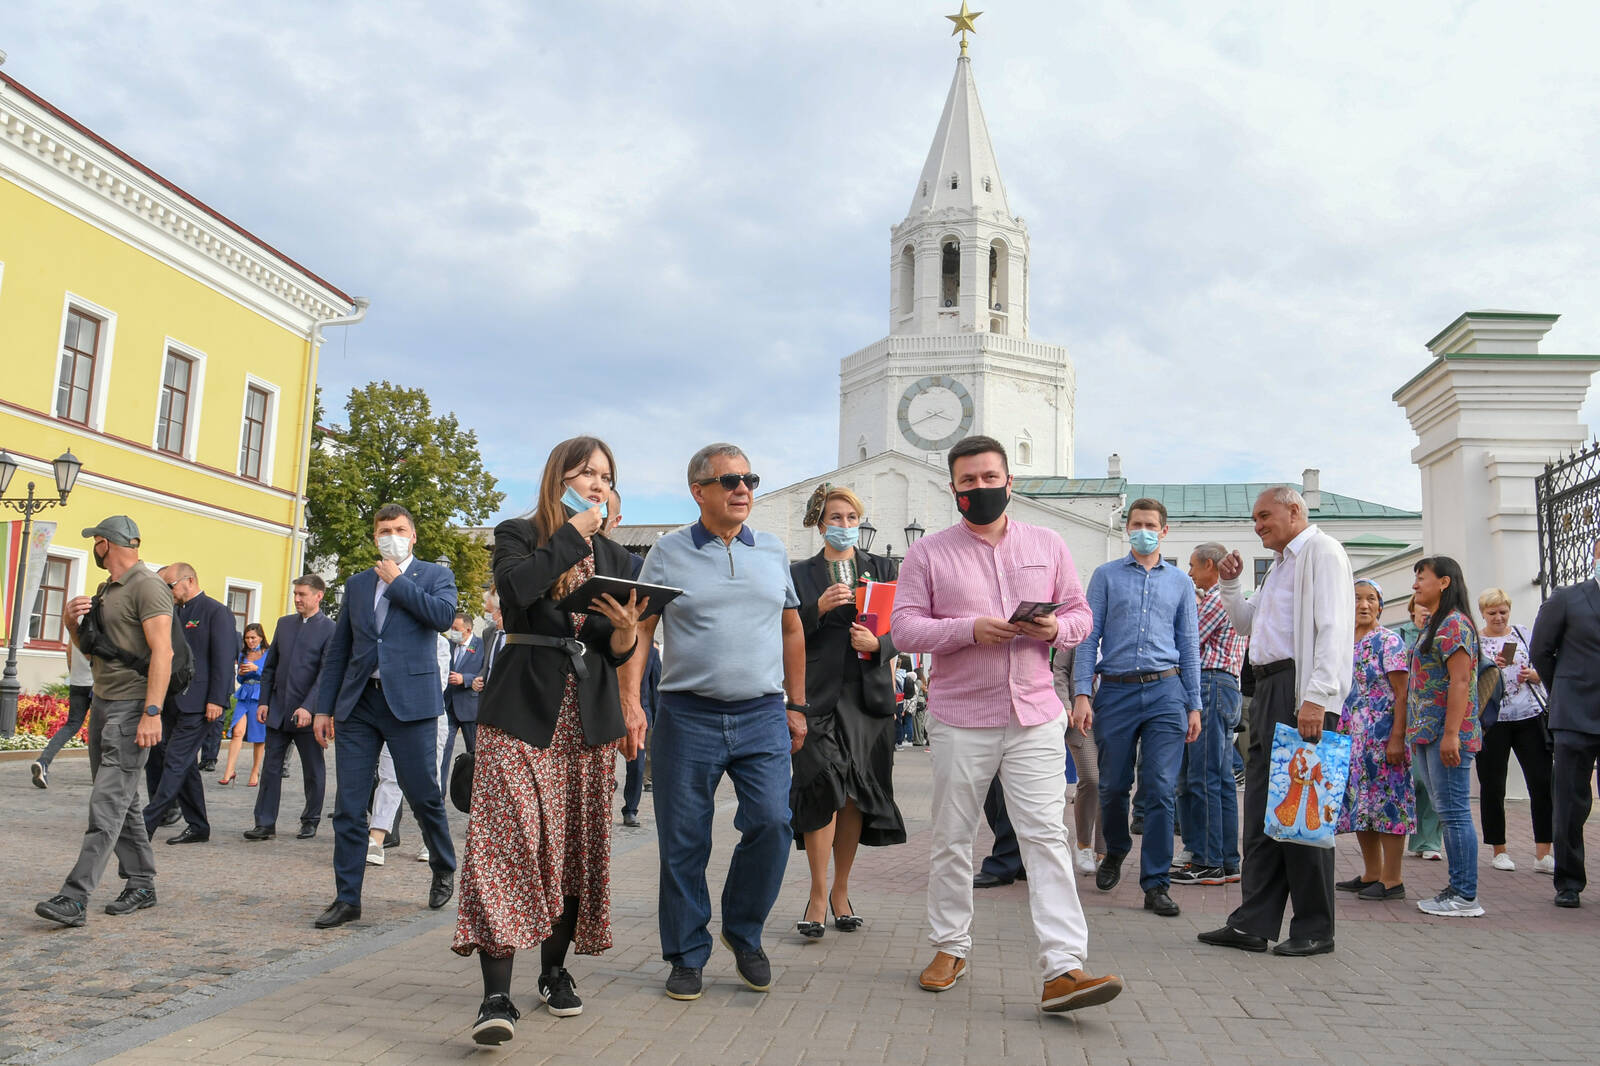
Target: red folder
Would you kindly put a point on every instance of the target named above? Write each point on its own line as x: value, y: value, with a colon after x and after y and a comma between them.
x: 876, y: 598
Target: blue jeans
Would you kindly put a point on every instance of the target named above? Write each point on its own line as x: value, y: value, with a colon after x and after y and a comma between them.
x: 1209, y: 802
x: 697, y: 741
x: 1152, y: 718
x: 78, y: 699
x: 1451, y: 789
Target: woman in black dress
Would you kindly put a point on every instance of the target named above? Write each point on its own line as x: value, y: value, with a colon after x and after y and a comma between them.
x: 842, y: 793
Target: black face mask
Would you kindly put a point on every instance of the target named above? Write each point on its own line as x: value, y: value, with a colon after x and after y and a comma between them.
x: 100, y: 557
x: 982, y: 506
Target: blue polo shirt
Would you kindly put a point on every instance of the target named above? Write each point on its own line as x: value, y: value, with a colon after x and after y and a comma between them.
x: 723, y: 638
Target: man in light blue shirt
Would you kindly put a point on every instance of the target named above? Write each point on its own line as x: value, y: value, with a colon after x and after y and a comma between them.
x: 733, y: 647
x: 1146, y: 638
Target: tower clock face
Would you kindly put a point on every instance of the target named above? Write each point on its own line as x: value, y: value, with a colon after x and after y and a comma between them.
x: 935, y: 412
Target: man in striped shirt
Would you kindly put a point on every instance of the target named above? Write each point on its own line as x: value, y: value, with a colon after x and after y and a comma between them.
x: 1209, y: 801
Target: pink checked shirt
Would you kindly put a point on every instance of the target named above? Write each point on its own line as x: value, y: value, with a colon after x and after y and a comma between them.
x: 952, y: 578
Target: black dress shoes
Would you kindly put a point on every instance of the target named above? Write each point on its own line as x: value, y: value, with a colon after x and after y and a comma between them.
x: 985, y: 880
x: 261, y: 832
x: 444, y: 886
x: 209, y: 766
x: 307, y: 831
x: 1109, y: 873
x: 1568, y: 897
x: 1156, y: 899
x: 1229, y: 937
x: 171, y: 816
x: 189, y: 836
x: 1301, y: 946
x: 338, y: 913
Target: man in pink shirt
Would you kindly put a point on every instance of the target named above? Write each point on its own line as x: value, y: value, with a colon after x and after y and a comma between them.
x: 994, y: 709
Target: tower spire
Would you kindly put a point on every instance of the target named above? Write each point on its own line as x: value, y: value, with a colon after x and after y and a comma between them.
x: 964, y: 24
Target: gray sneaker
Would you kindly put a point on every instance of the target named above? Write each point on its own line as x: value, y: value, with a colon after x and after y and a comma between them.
x: 132, y: 899
x: 41, y: 774
x: 1448, y: 904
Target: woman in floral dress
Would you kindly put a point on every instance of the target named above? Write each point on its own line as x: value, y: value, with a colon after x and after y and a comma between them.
x: 1380, y: 801
x: 537, y: 867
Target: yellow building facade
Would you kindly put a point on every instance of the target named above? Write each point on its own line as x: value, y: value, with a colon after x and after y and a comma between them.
x: 170, y: 350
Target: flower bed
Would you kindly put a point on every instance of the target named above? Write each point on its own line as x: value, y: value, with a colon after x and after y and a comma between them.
x: 39, y: 716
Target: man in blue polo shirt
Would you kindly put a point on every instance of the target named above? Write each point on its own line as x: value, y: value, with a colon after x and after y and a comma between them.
x: 1146, y: 640
x: 733, y: 648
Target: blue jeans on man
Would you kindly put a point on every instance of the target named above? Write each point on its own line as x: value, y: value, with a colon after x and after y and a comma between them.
x: 1451, y: 788
x: 1209, y: 800
x: 1151, y: 719
x: 698, y: 740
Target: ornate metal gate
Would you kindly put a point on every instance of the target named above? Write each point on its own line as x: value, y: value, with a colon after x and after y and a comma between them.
x: 1568, y: 494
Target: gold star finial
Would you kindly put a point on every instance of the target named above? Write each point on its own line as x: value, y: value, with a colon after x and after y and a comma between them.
x: 964, y: 24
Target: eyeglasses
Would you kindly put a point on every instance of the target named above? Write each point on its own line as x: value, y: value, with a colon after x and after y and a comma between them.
x: 729, y: 482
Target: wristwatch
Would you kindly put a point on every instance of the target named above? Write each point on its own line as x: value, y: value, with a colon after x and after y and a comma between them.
x: 152, y: 711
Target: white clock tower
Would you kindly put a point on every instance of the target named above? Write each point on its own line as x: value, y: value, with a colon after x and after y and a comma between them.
x: 958, y: 359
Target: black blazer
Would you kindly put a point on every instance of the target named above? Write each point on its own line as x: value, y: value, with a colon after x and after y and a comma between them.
x: 828, y: 650
x: 291, y: 674
x: 523, y: 694
x: 1566, y: 652
x: 208, y: 627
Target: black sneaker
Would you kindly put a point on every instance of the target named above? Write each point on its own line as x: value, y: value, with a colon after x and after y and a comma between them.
x: 132, y: 899
x: 560, y: 993
x: 682, y: 983
x: 63, y: 909
x: 754, y: 969
x: 497, y: 1020
x: 1199, y: 875
x: 1136, y: 827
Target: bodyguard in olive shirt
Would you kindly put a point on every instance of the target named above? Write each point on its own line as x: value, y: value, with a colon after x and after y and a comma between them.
x: 136, y: 614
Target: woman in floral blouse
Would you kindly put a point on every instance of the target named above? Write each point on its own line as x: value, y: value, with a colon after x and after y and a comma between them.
x: 1380, y: 803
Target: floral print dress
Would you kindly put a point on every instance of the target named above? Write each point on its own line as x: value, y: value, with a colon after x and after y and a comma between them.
x: 1380, y: 798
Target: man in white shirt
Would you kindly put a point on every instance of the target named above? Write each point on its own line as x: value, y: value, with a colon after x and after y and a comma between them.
x: 1299, y: 624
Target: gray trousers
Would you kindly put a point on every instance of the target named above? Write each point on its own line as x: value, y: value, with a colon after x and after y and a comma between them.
x: 116, y: 818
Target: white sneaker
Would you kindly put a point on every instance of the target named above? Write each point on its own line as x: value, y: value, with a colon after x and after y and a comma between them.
x: 1503, y: 861
x: 1449, y: 905
x: 1546, y: 865
x: 1182, y: 859
x: 1083, y: 859
x: 422, y: 856
x: 374, y: 853
x: 1431, y: 855
x: 41, y: 774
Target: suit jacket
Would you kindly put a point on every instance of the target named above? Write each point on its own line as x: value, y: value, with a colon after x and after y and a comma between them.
x: 292, y: 673
x: 461, y: 699
x: 829, y: 656
x: 422, y: 604
x: 523, y: 693
x: 490, y: 636
x: 1566, y: 653
x: 208, y: 627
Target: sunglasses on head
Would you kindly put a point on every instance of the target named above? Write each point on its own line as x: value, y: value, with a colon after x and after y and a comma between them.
x: 729, y: 482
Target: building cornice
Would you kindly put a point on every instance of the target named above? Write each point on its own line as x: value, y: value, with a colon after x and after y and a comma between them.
x: 71, y: 166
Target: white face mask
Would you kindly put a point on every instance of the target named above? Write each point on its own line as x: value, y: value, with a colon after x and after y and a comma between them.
x: 394, y: 547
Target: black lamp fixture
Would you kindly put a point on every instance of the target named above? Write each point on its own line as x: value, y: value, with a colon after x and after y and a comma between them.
x: 913, y: 532
x: 867, y: 532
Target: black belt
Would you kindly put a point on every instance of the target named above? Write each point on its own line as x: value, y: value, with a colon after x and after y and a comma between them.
x: 573, y: 647
x: 1268, y: 669
x: 1138, y: 679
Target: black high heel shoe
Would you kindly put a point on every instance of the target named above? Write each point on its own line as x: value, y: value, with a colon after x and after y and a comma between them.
x: 846, y: 923
x: 809, y: 930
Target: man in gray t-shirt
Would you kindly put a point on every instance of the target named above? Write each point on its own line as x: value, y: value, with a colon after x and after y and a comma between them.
x: 733, y: 647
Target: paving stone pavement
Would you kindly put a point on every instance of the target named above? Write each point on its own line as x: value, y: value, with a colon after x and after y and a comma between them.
x: 227, y: 969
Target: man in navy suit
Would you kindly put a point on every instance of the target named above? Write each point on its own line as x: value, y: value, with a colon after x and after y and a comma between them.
x: 290, y: 679
x: 380, y: 685
x: 1565, y: 651
x: 173, y: 771
x: 461, y: 690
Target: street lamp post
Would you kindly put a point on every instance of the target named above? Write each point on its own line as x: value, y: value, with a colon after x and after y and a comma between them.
x: 868, y: 533
x: 66, y: 472
x: 913, y: 533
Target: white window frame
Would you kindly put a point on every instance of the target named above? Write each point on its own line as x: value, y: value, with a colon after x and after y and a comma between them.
x: 77, y: 559
x: 269, y: 435
x: 252, y: 587
x: 197, y: 384
x: 102, y: 358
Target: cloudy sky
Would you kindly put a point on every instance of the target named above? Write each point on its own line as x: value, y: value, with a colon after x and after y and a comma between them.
x: 665, y: 223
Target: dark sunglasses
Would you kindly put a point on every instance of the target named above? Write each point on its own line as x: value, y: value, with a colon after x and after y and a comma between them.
x: 729, y: 482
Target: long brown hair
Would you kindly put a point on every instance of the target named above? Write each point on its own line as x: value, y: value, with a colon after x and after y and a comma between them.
x: 550, y: 515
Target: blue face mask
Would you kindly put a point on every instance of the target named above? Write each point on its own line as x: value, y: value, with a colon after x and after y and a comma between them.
x: 1144, y: 541
x: 841, y: 538
x: 578, y: 504
x: 1597, y: 570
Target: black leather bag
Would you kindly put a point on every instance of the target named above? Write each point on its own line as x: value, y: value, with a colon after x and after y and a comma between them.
x: 461, y: 782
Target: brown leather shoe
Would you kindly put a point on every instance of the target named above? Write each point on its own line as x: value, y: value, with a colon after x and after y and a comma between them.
x: 1077, y: 989
x: 944, y: 971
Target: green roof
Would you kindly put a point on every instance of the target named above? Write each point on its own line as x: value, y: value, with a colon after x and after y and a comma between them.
x: 1227, y: 501
x: 1370, y: 541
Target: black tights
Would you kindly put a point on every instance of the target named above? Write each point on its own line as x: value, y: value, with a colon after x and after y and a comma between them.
x: 552, y: 953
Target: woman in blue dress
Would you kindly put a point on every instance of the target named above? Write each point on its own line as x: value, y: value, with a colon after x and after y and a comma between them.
x: 246, y: 700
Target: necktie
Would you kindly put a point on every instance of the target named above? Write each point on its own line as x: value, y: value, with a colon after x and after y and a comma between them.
x: 381, y: 610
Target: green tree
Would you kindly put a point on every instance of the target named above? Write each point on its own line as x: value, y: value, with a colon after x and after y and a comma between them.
x: 393, y: 449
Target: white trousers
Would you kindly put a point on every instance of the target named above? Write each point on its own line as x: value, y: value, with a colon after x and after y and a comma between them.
x: 1032, y: 764
x: 386, y: 800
